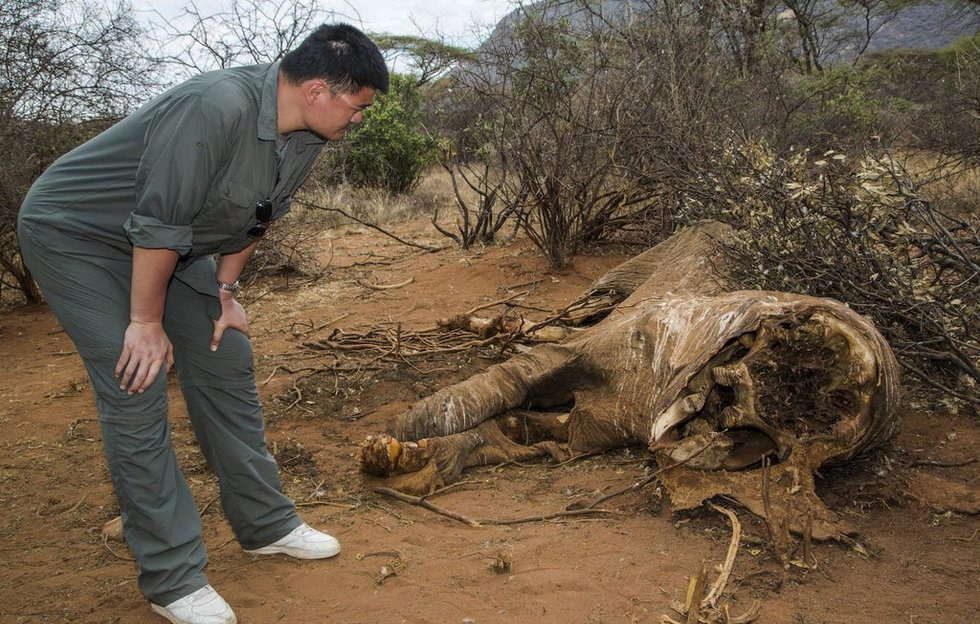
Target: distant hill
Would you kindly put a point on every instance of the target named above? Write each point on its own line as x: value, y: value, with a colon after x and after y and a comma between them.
x: 926, y: 26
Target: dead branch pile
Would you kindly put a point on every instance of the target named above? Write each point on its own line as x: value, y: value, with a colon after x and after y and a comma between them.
x: 861, y: 232
x: 495, y: 336
x: 393, y: 344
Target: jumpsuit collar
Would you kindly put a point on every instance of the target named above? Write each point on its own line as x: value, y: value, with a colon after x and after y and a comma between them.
x: 268, y: 122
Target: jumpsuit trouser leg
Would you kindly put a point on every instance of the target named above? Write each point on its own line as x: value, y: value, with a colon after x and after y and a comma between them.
x: 87, y: 286
x: 224, y: 409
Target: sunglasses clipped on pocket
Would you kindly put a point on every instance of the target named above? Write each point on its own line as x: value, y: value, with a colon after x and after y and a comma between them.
x: 263, y: 215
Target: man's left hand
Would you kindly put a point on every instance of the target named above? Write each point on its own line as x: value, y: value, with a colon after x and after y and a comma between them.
x: 232, y: 315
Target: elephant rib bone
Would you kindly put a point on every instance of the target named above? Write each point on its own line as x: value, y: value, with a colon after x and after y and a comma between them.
x: 719, y: 585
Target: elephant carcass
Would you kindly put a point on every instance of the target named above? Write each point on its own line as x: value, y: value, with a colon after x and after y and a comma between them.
x: 711, y: 380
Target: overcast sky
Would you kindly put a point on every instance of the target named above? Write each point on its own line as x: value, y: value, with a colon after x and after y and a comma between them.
x: 463, y: 22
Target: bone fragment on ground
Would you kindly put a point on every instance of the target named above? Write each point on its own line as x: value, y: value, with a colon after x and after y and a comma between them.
x: 681, y: 364
x: 112, y: 530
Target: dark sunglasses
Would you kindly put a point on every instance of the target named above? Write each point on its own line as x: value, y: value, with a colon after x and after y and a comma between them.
x: 263, y: 214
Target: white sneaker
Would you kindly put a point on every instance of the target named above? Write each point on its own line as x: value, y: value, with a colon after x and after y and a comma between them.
x: 303, y: 542
x: 204, y: 606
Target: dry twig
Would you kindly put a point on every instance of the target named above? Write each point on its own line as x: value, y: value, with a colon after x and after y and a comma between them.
x: 771, y: 528
x: 944, y: 464
x: 451, y: 486
x: 422, y: 502
x: 540, y: 518
x: 310, y: 204
x: 105, y: 542
x: 649, y: 478
x: 966, y: 539
x: 207, y: 505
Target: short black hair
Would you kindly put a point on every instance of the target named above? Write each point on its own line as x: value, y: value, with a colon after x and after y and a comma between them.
x: 340, y: 55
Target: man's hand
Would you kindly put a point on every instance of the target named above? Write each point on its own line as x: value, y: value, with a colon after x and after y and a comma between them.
x: 146, y: 349
x: 232, y: 315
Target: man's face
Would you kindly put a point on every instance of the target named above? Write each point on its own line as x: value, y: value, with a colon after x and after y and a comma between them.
x: 330, y: 114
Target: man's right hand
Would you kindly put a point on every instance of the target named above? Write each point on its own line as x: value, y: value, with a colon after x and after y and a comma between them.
x: 146, y: 349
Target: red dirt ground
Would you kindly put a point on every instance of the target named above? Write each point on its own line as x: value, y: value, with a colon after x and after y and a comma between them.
x: 919, y: 565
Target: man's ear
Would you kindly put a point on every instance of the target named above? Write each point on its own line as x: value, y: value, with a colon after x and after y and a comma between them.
x: 314, y: 89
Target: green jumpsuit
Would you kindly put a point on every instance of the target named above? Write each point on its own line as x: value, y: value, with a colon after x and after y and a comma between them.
x: 184, y: 172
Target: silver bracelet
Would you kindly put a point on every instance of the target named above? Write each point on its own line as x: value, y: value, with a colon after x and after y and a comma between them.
x: 232, y: 288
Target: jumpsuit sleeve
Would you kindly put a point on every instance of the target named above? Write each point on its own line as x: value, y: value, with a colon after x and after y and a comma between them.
x: 184, y: 147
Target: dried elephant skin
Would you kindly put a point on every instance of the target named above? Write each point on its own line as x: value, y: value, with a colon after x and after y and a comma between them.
x: 712, y: 381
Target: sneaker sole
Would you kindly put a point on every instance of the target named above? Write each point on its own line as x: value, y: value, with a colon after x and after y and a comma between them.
x: 170, y: 618
x: 296, y: 553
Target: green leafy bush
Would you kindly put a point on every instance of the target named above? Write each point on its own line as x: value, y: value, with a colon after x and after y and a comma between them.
x: 390, y: 148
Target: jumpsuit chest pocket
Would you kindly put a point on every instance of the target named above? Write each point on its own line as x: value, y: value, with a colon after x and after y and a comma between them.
x: 226, y: 217
x: 230, y: 208
x: 231, y: 204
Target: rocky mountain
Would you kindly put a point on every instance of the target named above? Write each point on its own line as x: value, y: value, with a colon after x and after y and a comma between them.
x: 926, y: 25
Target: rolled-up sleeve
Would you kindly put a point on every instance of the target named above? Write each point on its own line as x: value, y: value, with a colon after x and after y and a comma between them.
x: 184, y: 146
x: 152, y: 233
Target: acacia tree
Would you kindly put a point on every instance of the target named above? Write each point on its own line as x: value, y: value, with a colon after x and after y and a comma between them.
x: 67, y: 69
x: 425, y: 59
